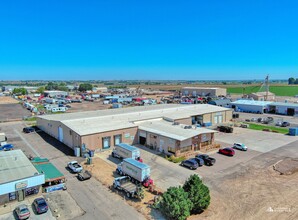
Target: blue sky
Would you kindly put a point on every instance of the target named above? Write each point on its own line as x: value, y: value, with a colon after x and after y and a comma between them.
x: 114, y: 39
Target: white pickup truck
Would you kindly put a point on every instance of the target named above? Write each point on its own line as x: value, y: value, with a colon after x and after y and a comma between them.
x: 74, y: 166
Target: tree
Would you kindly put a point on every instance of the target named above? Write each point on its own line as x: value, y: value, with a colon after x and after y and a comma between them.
x: 85, y: 86
x: 175, y: 204
x: 19, y: 91
x: 40, y: 90
x: 198, y: 193
x: 291, y: 81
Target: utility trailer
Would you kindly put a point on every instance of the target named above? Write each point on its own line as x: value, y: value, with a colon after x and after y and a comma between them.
x: 130, y: 189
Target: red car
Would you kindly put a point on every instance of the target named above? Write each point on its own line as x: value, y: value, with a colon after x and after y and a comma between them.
x: 227, y: 151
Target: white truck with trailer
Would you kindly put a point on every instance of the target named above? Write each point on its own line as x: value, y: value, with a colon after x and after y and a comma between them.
x: 123, y: 151
x: 137, y: 171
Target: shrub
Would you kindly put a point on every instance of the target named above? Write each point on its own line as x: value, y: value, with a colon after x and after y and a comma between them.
x: 175, y: 204
x: 198, y: 193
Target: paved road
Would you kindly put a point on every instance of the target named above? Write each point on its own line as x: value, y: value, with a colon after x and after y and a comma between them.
x: 94, y: 198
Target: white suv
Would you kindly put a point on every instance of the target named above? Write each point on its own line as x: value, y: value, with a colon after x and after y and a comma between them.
x: 240, y: 146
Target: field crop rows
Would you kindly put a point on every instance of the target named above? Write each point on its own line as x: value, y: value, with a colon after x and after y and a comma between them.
x: 277, y: 90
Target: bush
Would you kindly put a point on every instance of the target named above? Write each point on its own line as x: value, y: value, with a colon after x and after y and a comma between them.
x: 174, y: 159
x: 175, y: 204
x: 198, y: 193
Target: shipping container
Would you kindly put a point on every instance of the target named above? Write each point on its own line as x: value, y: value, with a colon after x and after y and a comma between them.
x: 123, y: 150
x: 139, y: 172
x: 293, y: 131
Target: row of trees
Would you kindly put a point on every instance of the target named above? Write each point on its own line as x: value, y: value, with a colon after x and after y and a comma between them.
x: 178, y: 203
x: 56, y: 86
x: 292, y: 81
x: 19, y: 91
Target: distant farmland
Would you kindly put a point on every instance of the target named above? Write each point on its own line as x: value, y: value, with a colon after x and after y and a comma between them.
x: 277, y: 90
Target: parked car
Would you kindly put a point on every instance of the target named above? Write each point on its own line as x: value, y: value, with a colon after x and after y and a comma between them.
x: 285, y: 124
x: 28, y: 130
x: 268, y: 120
x: 85, y: 175
x: 260, y: 120
x: 74, y: 166
x: 240, y: 146
x: 6, y: 147
x: 225, y: 129
x: 40, y: 205
x: 279, y: 123
x: 200, y: 161
x: 254, y: 120
x: 209, y: 161
x: 22, y: 211
x: 191, y: 164
x: 227, y: 151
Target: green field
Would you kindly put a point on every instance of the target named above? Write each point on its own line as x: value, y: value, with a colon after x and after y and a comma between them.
x: 277, y: 90
x: 272, y: 128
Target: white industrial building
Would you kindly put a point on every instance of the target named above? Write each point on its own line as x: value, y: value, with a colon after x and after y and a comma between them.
x: 203, y: 91
x: 283, y: 108
x: 18, y: 177
x: 250, y: 106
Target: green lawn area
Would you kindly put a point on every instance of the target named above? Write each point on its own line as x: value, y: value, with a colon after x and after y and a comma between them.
x: 277, y: 90
x: 272, y: 128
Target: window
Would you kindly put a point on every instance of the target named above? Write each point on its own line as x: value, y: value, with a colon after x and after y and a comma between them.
x: 117, y: 139
x: 172, y: 150
x: 106, y: 142
x: 184, y: 149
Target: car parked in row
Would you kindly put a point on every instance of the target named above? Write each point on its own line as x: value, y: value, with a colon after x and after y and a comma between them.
x: 227, y: 151
x: 200, y: 161
x: 28, y: 130
x: 285, y: 124
x: 190, y: 163
x: 209, y: 161
x: 240, y: 146
x: 6, y: 147
x: 40, y: 205
x: 22, y: 212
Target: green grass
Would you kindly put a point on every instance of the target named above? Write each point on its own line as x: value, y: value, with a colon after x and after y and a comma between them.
x: 277, y: 90
x: 31, y: 119
x: 271, y: 128
x: 175, y: 159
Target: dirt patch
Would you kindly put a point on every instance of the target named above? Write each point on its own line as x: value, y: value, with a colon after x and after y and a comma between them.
x: 253, y: 194
x: 11, y: 112
x: 287, y: 166
x: 63, y: 206
x: 105, y: 173
x: 8, y: 100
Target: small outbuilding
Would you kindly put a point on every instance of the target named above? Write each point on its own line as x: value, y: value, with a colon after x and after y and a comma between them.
x: 221, y: 102
x: 18, y: 177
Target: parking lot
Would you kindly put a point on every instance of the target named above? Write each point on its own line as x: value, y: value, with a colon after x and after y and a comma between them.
x: 264, y: 150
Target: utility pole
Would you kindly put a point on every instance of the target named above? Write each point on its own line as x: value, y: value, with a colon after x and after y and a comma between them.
x: 267, y: 87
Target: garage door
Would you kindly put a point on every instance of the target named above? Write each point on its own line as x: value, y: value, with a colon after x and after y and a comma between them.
x: 60, y: 134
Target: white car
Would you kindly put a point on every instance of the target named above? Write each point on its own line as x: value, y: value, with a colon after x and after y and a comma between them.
x: 240, y: 146
x: 75, y: 167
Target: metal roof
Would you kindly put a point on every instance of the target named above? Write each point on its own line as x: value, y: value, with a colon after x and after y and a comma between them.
x: 50, y: 171
x: 286, y: 104
x: 136, y: 163
x: 14, y: 165
x: 127, y: 146
x: 251, y: 102
x: 167, y: 129
x: 85, y: 123
x: 220, y: 101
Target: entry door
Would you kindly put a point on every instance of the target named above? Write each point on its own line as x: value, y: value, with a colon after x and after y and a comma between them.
x: 161, y: 144
x: 220, y: 119
x: 60, y: 134
x: 215, y: 120
x: 117, y: 139
x: 21, y: 195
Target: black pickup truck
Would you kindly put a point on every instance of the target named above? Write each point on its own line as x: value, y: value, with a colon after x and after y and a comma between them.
x: 209, y: 161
